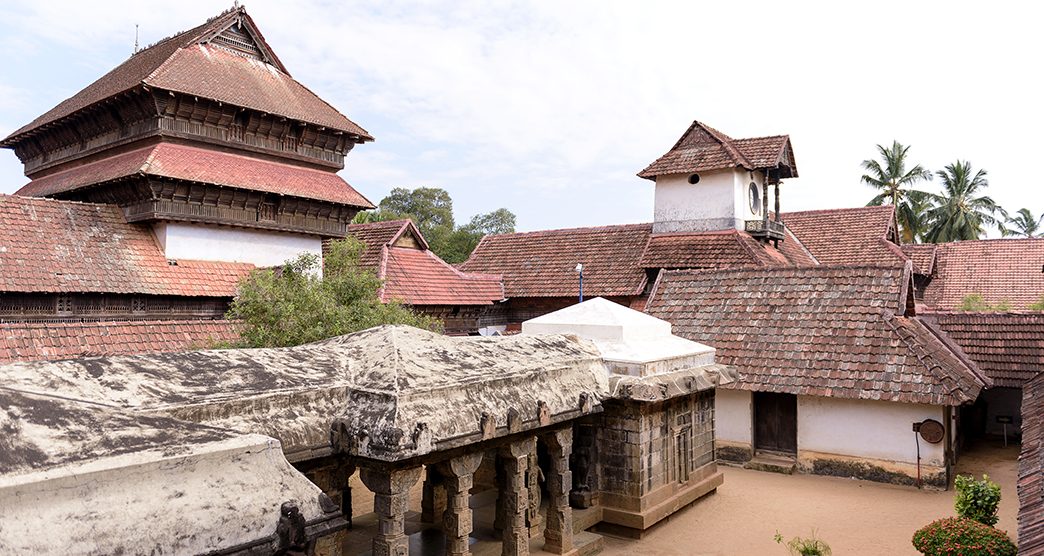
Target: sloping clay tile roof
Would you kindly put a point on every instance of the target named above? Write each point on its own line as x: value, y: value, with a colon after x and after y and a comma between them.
x: 1031, y: 470
x: 1008, y: 347
x: 922, y: 255
x: 169, y: 160
x: 847, y: 236
x: 1000, y: 270
x: 702, y: 148
x: 187, y: 63
x: 721, y: 249
x: 543, y: 264
x: 413, y: 274
x: 818, y: 331
x: 50, y: 246
x: 20, y: 341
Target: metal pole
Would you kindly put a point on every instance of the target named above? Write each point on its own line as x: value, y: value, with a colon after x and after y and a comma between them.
x: 581, y: 285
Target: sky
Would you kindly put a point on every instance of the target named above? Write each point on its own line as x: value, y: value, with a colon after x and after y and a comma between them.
x: 550, y: 108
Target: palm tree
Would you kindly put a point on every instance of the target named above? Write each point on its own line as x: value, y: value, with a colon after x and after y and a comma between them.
x: 1024, y: 224
x: 894, y: 181
x: 958, y: 213
x: 913, y: 216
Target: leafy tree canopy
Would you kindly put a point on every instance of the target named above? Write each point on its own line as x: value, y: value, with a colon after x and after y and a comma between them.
x: 296, y: 304
x: 431, y: 209
x: 891, y: 177
x: 962, y: 212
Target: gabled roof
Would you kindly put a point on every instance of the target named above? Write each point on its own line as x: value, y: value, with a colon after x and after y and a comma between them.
x: 718, y: 249
x: 702, y: 148
x: 21, y: 341
x: 848, y: 236
x: 543, y: 264
x: 51, y: 246
x: 1008, y: 347
x: 1000, y: 270
x: 198, y: 62
x: 1031, y: 470
x: 172, y: 160
x: 399, y: 255
x: 922, y: 255
x: 818, y: 331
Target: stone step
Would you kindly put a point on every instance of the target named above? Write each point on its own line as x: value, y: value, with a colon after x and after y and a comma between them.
x: 772, y: 463
x: 584, y: 519
x: 587, y: 543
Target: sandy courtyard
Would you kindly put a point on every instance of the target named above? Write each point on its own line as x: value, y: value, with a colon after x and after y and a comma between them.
x: 854, y: 517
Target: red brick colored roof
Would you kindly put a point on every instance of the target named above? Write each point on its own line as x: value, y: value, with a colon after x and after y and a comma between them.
x: 20, y: 341
x: 818, y: 331
x: 1008, y: 347
x: 702, y: 148
x: 51, y: 246
x: 719, y: 249
x: 1031, y: 470
x: 415, y: 275
x: 922, y: 255
x: 1001, y: 270
x: 188, y: 63
x: 848, y: 236
x: 543, y: 264
x: 169, y: 160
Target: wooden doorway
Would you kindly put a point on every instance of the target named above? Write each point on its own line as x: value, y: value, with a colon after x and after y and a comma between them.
x: 775, y: 422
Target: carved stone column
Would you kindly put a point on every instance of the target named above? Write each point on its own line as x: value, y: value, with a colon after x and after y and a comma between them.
x: 391, y: 499
x: 558, y: 535
x: 514, y: 497
x: 533, y: 518
x: 457, y: 476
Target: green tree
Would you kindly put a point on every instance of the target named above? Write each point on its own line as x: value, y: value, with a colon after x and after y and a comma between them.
x: 961, y: 212
x: 465, y: 238
x: 295, y: 305
x: 1023, y: 224
x: 430, y: 208
x: 894, y: 181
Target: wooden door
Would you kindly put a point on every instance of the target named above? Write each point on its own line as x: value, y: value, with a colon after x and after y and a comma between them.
x: 775, y: 422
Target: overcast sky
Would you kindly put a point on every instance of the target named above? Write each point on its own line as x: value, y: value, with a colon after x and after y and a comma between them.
x: 550, y: 108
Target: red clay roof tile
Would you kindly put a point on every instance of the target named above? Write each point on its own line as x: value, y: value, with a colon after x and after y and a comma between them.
x: 188, y: 64
x: 20, y: 341
x: 1031, y: 470
x: 702, y: 148
x: 168, y: 160
x: 1000, y: 270
x: 1008, y: 347
x: 847, y: 236
x: 825, y: 331
x: 51, y: 246
x: 720, y: 249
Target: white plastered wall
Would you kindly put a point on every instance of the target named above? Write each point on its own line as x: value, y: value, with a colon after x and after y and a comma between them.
x: 732, y: 416
x: 868, y: 429
x: 718, y: 202
x: 213, y: 243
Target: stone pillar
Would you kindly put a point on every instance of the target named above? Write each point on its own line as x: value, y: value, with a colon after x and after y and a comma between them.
x: 514, y: 498
x: 533, y: 518
x: 391, y: 499
x: 558, y: 535
x: 433, y: 498
x: 333, y: 480
x: 457, y: 476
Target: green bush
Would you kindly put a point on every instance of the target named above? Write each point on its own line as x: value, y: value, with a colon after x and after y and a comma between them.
x: 958, y: 536
x: 977, y: 500
x: 805, y: 547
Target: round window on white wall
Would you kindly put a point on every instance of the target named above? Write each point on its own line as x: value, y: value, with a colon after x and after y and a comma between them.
x: 755, y: 198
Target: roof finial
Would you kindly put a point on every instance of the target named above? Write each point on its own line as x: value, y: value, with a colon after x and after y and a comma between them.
x: 135, y: 38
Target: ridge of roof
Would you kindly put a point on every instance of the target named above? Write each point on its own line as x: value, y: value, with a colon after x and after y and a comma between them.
x: 610, y: 227
x: 871, y: 208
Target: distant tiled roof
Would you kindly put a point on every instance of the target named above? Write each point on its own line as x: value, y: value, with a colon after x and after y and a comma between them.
x: 415, y: 275
x: 702, y: 148
x: 187, y: 63
x: 543, y: 264
x: 719, y: 249
x: 1000, y: 270
x: 20, y: 341
x: 818, y: 331
x: 922, y: 255
x: 1031, y: 470
x: 848, y: 236
x: 50, y: 246
x: 1008, y: 347
x: 169, y: 160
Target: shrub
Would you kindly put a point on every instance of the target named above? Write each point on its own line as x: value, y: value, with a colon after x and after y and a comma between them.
x: 975, y: 302
x: 1038, y: 305
x: 977, y: 500
x: 959, y: 536
x: 805, y: 547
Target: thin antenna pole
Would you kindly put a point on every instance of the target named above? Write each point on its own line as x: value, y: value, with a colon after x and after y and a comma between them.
x: 135, y: 38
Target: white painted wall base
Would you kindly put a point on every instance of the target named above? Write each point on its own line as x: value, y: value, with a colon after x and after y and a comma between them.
x: 213, y: 243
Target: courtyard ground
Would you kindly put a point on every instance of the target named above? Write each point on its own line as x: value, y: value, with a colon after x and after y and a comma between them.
x: 854, y: 517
